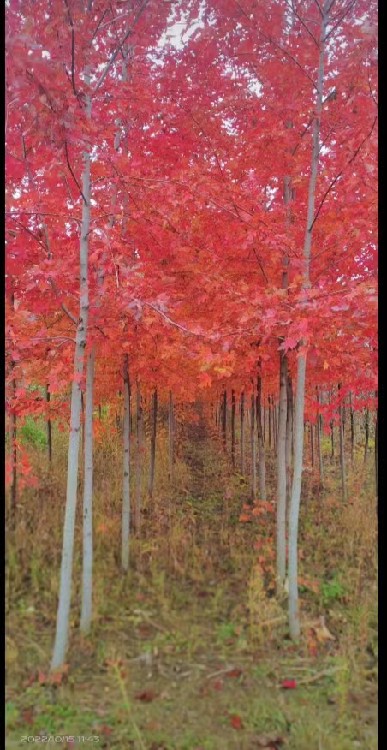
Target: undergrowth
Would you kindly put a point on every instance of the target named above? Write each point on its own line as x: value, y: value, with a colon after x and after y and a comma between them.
x: 190, y: 649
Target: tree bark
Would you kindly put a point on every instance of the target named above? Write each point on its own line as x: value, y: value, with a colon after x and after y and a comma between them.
x: 87, y: 569
x: 289, y: 437
x: 243, y: 433
x: 126, y: 469
x: 253, y: 452
x: 62, y: 624
x: 352, y: 419
x: 49, y: 426
x: 332, y: 440
x: 233, y: 428
x: 367, y: 434
x: 294, y: 509
x: 376, y: 456
x: 224, y: 420
x: 139, y: 441
x: 281, y: 473
x: 342, y: 457
x: 171, y: 436
x: 153, y: 442
x: 261, y: 446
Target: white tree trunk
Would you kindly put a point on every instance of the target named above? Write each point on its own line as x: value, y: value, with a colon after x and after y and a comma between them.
x: 294, y: 509
x: 63, y: 614
x: 261, y: 447
x: 126, y: 469
x: 281, y: 474
x: 87, y: 570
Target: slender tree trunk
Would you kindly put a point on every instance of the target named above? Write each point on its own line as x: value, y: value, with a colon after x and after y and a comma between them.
x: 243, y: 433
x: 87, y: 570
x: 171, y: 436
x: 233, y: 428
x: 139, y: 430
x: 153, y: 442
x: 253, y: 453
x: 294, y: 510
x: 367, y: 434
x: 224, y: 419
x: 332, y: 440
x: 100, y: 412
x: 261, y: 446
x: 269, y: 410
x: 49, y: 426
x: 63, y: 614
x: 352, y: 418
x: 289, y: 438
x: 342, y: 457
x: 275, y: 427
x: 319, y: 445
x: 13, y: 446
x: 126, y: 469
x: 376, y: 456
x: 281, y: 472
x: 311, y: 444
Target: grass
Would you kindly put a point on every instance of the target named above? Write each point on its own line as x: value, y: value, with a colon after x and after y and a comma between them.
x: 190, y: 650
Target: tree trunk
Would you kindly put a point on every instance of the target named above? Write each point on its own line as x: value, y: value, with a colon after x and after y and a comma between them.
x: 261, y: 446
x: 281, y: 472
x: 62, y: 623
x: 13, y: 447
x: 153, y: 443
x: 139, y: 430
x: 224, y: 420
x: 87, y: 569
x: 342, y: 456
x: 49, y: 426
x: 126, y: 469
x: 332, y: 440
x: 269, y: 410
x: 171, y: 436
x: 294, y: 510
x: 311, y: 444
x: 367, y: 434
x: 319, y: 445
x: 242, y: 432
x: 352, y: 418
x: 253, y: 453
x: 376, y: 457
x: 289, y: 438
x: 233, y: 428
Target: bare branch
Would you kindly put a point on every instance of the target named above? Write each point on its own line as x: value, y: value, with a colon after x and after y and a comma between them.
x: 336, y: 179
x: 119, y: 47
x: 73, y: 175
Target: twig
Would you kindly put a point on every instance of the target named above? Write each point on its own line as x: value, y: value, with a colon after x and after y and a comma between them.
x: 73, y: 175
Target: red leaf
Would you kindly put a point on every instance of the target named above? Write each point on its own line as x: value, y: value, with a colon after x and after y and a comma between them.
x: 289, y: 684
x: 146, y: 696
x: 236, y: 721
x: 234, y: 672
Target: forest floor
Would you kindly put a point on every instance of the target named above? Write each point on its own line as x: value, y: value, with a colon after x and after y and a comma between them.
x: 190, y: 650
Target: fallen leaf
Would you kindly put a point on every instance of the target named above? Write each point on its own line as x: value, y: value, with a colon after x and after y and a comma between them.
x: 236, y: 672
x: 289, y: 684
x: 146, y: 696
x: 236, y: 721
x: 217, y: 684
